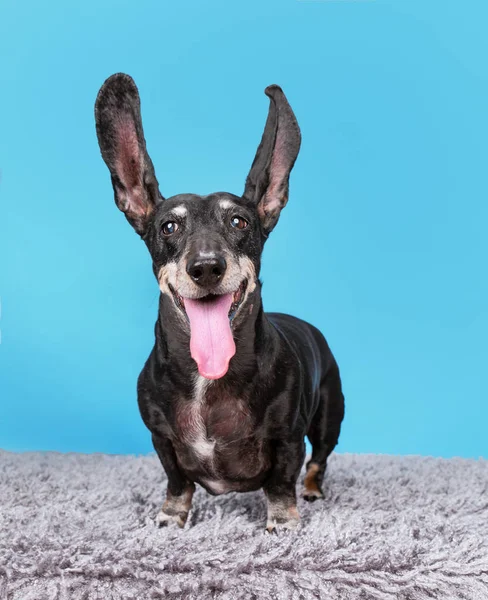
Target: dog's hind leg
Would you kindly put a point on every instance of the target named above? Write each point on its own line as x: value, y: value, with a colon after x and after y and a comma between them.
x: 324, y: 432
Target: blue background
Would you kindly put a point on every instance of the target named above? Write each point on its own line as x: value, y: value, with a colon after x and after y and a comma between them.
x: 383, y: 244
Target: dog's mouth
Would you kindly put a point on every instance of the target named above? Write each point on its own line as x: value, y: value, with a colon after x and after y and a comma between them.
x: 237, y: 299
x: 211, y: 317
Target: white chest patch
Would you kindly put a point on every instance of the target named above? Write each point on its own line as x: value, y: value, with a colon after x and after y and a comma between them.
x: 204, y: 447
x: 197, y: 436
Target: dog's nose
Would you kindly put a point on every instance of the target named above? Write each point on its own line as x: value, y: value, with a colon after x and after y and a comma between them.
x: 206, y: 271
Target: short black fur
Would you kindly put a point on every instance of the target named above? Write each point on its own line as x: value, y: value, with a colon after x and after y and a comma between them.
x: 244, y: 430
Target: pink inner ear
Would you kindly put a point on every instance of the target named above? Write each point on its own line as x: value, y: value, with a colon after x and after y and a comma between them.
x: 129, y: 167
x: 278, y: 171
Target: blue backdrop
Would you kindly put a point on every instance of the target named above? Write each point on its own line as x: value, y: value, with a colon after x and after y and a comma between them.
x: 388, y: 208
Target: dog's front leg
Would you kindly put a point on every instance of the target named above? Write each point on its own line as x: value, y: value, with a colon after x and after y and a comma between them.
x: 280, y: 488
x: 180, y: 490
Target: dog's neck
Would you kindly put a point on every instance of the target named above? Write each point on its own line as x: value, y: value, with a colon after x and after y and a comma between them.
x: 173, y: 342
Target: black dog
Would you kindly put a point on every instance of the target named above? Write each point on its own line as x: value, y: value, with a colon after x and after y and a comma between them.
x: 229, y: 392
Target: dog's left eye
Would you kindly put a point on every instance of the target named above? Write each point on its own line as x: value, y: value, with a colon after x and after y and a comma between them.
x: 238, y: 222
x: 169, y: 227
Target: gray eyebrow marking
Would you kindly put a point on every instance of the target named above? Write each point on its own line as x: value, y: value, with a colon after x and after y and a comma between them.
x: 180, y: 210
x: 226, y: 204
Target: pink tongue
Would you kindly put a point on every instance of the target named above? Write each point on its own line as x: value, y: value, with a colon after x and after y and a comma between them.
x: 211, y: 344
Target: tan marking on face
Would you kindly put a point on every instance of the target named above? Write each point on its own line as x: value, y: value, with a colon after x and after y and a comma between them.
x: 248, y: 272
x: 174, y: 274
x: 167, y: 276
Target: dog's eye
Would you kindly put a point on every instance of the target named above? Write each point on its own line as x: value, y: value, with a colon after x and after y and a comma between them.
x: 238, y: 222
x: 169, y: 227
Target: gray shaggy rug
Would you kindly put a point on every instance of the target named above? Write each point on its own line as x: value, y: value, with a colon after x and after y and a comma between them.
x: 78, y: 527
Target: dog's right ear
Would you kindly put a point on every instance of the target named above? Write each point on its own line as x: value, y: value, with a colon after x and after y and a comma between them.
x: 123, y: 147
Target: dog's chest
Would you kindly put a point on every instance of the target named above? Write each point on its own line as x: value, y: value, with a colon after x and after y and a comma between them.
x: 215, y: 434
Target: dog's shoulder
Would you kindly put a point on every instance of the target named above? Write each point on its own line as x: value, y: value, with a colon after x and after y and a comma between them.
x: 305, y: 338
x: 290, y: 325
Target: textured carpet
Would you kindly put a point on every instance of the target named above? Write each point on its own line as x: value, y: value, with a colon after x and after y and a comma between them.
x: 80, y: 527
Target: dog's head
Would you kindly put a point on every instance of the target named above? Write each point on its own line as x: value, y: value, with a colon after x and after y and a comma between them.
x: 206, y: 250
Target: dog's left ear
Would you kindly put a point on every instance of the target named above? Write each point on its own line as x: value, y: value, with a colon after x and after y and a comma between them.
x: 123, y: 147
x: 267, y: 182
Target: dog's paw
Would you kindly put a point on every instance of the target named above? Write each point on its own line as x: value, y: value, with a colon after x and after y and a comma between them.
x: 164, y: 520
x: 282, y: 516
x: 282, y: 526
x: 175, y: 508
x: 312, y: 495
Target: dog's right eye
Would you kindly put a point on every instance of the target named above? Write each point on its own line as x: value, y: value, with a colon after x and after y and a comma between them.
x: 169, y: 227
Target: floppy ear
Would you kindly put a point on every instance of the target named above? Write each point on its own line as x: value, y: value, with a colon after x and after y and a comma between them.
x: 267, y: 182
x: 123, y: 147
